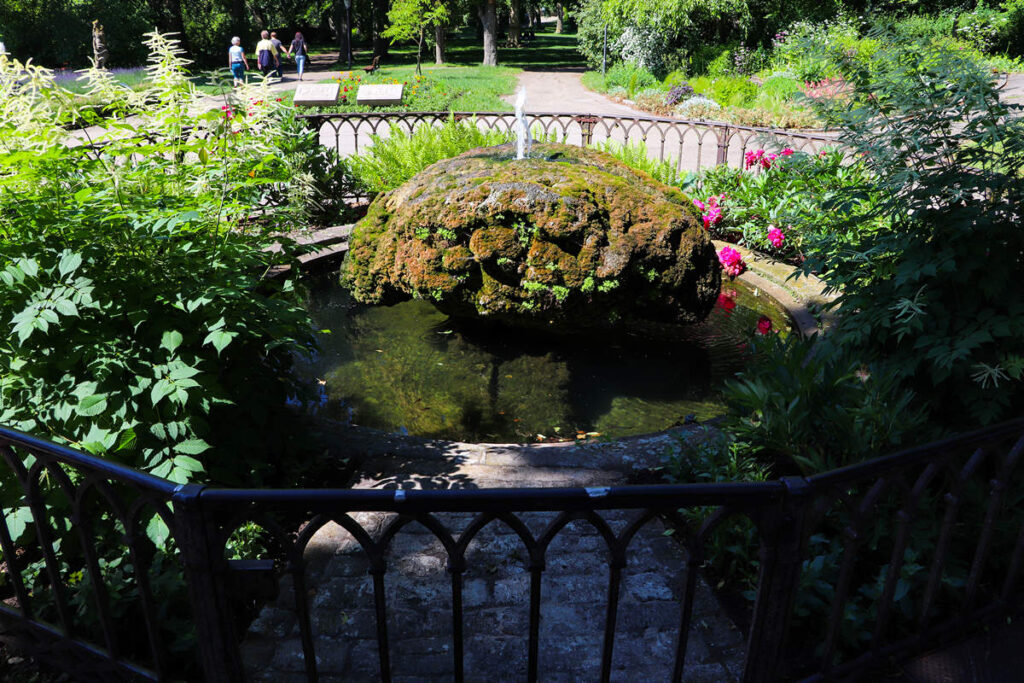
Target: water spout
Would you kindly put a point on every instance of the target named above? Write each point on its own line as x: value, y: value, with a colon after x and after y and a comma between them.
x: 522, y: 127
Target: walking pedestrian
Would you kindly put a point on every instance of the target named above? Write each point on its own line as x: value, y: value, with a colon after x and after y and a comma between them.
x: 266, y: 55
x: 237, y: 61
x: 279, y: 47
x: 298, y: 50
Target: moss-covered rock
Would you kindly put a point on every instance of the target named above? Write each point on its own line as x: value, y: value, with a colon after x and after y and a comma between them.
x: 567, y: 238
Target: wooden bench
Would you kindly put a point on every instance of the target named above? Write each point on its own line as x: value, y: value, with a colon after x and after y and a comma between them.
x: 374, y: 65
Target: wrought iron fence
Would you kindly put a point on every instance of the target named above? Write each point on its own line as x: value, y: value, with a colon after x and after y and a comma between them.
x: 691, y: 145
x: 851, y: 548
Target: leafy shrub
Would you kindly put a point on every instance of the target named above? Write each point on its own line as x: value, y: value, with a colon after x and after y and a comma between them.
x: 728, y: 91
x: 677, y: 77
x: 630, y: 77
x: 811, y: 50
x: 698, y: 107
x: 929, y: 285
x: 643, y: 47
x: 709, y: 457
x: 1011, y: 35
x: 711, y: 60
x: 392, y: 160
x: 144, y: 276
x: 820, y: 410
x: 141, y: 326
x: 779, y: 87
x: 653, y: 100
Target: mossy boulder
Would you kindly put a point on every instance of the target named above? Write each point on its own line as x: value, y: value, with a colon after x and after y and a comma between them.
x: 568, y: 238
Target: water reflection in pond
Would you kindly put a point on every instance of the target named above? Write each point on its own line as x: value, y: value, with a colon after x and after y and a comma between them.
x: 411, y: 369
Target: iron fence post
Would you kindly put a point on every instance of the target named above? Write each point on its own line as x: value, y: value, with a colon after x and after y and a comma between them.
x: 781, y: 558
x: 219, y: 656
x: 587, y: 124
x: 723, y: 134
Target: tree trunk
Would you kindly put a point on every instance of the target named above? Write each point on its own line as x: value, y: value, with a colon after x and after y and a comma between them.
x: 536, y: 19
x: 440, y: 37
x: 340, y: 20
x: 559, y: 10
x: 488, y: 11
x: 515, y: 21
x: 380, y: 18
x: 419, y: 52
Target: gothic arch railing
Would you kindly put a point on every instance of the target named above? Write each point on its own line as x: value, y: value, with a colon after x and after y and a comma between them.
x: 691, y: 145
x: 906, y: 582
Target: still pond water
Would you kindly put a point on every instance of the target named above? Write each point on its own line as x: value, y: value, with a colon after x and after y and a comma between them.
x: 410, y: 369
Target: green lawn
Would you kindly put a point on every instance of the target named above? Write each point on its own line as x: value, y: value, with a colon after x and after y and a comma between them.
x: 461, y: 84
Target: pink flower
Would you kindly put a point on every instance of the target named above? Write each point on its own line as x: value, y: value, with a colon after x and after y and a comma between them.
x: 786, y: 152
x: 776, y: 236
x: 732, y: 261
x: 712, y: 210
x: 752, y: 158
x: 764, y: 325
x: 767, y: 159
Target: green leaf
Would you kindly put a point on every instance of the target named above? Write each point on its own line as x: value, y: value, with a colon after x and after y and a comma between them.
x: 69, y: 263
x: 91, y: 406
x: 157, y: 531
x: 188, y: 463
x: 171, y: 340
x: 191, y: 447
x: 219, y: 339
x: 160, y: 390
x: 126, y: 441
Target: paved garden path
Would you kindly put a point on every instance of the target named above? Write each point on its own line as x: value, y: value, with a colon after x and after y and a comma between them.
x: 496, y: 585
x: 562, y: 91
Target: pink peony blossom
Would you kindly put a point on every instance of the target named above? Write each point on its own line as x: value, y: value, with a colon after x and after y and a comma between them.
x: 764, y: 325
x: 776, y: 236
x: 712, y: 210
x: 732, y: 261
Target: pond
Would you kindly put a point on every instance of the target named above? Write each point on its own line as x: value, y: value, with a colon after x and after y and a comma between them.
x: 411, y: 369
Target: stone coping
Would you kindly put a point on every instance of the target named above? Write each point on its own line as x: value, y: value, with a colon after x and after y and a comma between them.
x: 803, y: 296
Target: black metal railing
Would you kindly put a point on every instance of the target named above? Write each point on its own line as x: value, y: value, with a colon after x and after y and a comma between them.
x: 692, y: 145
x: 903, y: 577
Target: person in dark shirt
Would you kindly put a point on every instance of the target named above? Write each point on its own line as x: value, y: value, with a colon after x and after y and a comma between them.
x: 298, y: 50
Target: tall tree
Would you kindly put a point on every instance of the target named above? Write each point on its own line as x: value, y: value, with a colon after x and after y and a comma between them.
x: 488, y: 11
x: 410, y: 20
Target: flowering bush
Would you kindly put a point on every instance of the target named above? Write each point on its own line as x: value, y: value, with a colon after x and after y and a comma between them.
x: 678, y: 93
x: 790, y: 192
x: 732, y: 261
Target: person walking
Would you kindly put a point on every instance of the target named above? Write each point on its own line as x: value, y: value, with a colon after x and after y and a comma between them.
x: 266, y: 55
x: 237, y: 61
x: 298, y: 50
x: 279, y: 47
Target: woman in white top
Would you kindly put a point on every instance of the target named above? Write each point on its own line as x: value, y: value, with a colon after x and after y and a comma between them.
x: 237, y: 61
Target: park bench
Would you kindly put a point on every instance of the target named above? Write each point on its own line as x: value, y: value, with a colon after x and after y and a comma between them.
x: 374, y: 65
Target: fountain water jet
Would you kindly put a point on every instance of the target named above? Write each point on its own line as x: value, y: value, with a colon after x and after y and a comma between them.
x: 522, y: 127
